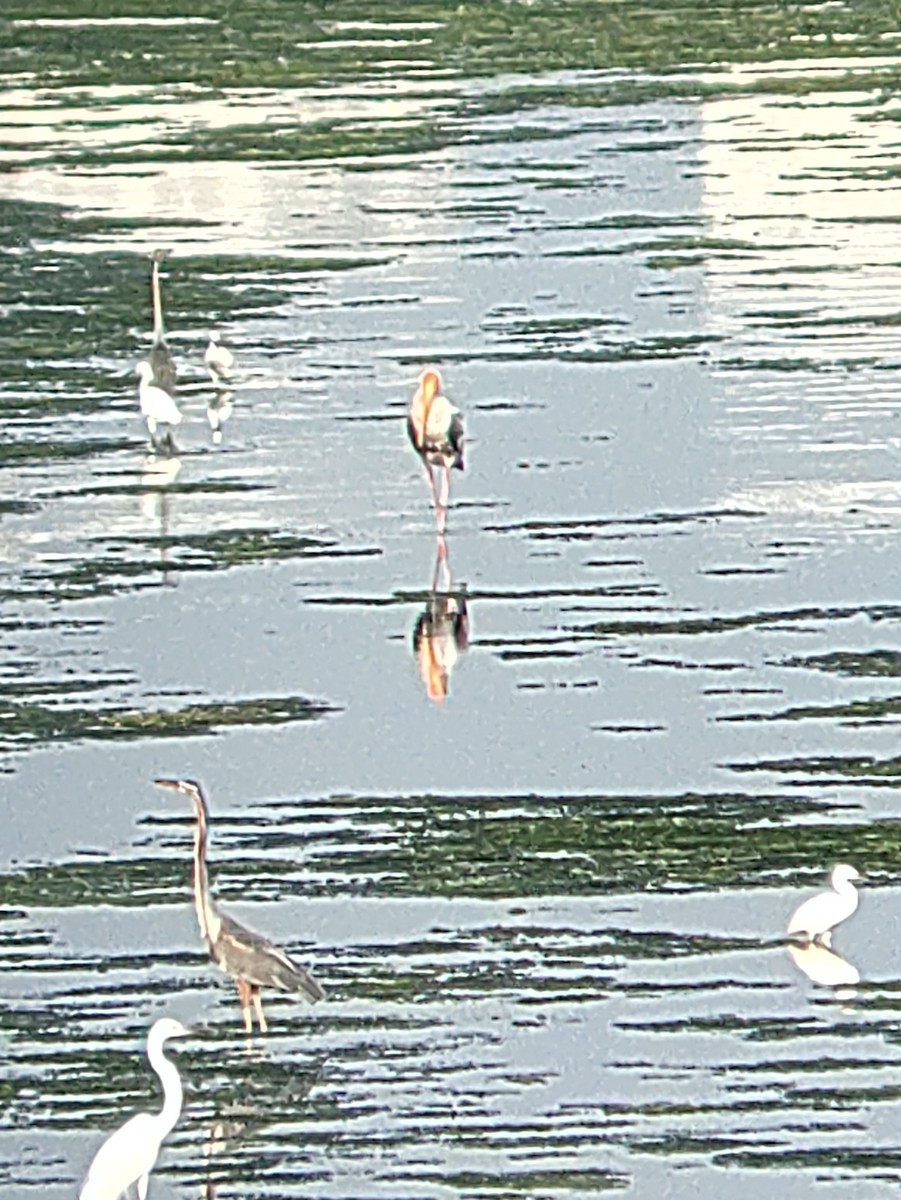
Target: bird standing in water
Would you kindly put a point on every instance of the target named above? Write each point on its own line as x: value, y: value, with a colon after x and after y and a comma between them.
x: 219, y: 359
x: 158, y: 407
x: 817, y: 917
x: 162, y: 364
x: 436, y: 430
x: 128, y: 1156
x: 251, y: 959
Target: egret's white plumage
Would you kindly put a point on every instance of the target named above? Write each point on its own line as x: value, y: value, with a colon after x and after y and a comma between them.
x: 218, y: 358
x: 817, y: 917
x: 157, y: 406
x: 127, y: 1156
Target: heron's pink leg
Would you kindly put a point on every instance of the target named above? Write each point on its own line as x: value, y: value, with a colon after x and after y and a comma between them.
x: 258, y: 1005
x: 245, y: 991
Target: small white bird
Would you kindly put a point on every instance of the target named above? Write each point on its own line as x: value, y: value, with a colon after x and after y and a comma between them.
x: 815, y: 919
x: 219, y: 359
x: 128, y: 1156
x: 157, y: 406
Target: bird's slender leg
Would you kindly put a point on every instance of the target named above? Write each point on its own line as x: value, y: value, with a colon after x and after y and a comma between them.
x: 442, y: 501
x: 442, y: 572
x: 431, y: 478
x: 245, y: 991
x: 258, y: 1005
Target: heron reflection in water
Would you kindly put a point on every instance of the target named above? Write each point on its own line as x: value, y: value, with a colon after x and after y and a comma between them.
x: 162, y: 364
x: 246, y: 1102
x: 435, y: 429
x: 441, y: 633
x: 251, y: 959
x: 159, y: 473
x: 128, y: 1156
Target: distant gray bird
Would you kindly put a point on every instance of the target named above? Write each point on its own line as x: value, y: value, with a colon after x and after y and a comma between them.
x: 435, y: 428
x: 817, y: 917
x: 128, y: 1156
x: 157, y: 406
x: 162, y: 364
x: 219, y: 359
x: 251, y: 959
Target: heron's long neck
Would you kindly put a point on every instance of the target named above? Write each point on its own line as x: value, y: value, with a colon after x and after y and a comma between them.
x: 848, y: 892
x: 173, y: 1095
x: 207, y: 917
x: 159, y: 332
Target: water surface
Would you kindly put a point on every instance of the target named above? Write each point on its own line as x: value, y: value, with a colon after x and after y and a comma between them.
x: 542, y: 870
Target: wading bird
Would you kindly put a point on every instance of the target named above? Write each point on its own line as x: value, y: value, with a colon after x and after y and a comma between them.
x: 219, y: 359
x: 818, y: 916
x: 127, y: 1156
x: 157, y: 407
x: 251, y: 959
x: 436, y: 431
x: 162, y: 364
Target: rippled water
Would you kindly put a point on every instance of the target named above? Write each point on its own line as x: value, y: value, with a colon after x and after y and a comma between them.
x: 537, y: 821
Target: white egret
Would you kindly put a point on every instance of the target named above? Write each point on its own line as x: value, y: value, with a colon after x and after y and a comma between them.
x: 162, y: 364
x: 435, y: 428
x: 815, y: 919
x: 157, y: 406
x: 219, y: 359
x: 128, y: 1156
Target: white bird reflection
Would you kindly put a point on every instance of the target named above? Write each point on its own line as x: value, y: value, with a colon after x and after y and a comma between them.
x: 825, y: 967
x: 441, y: 633
x: 218, y: 410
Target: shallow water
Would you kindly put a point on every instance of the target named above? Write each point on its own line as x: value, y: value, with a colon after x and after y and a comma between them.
x: 656, y: 260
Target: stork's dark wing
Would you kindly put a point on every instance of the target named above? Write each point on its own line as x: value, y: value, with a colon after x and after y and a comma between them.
x: 455, y: 437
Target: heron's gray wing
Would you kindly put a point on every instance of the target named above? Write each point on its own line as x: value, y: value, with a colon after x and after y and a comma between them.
x: 254, y: 958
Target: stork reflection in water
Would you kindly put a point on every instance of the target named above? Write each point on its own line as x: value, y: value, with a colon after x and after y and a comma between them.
x: 435, y: 429
x: 251, y: 959
x: 128, y: 1156
x: 441, y: 633
x: 162, y: 364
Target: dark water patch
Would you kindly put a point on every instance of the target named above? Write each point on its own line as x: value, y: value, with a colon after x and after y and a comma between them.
x: 492, y: 847
x: 849, y: 770
x: 850, y: 663
x: 425, y: 39
x: 25, y: 723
